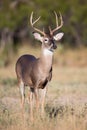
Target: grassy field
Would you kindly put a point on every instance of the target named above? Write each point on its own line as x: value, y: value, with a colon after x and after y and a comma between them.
x: 66, y: 100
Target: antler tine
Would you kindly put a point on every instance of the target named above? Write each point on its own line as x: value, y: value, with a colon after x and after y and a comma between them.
x: 32, y: 24
x: 61, y: 18
x: 57, y: 26
x: 56, y: 18
x: 51, y: 33
x: 31, y: 19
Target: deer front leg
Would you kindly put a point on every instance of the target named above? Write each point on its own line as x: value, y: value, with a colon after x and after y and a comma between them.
x: 43, y: 94
x: 33, y: 92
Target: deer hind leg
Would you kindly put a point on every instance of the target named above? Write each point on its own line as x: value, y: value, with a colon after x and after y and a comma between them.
x: 22, y: 92
x: 31, y: 99
x: 36, y: 93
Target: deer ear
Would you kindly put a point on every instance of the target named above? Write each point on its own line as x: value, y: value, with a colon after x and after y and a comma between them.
x: 58, y: 36
x: 37, y: 36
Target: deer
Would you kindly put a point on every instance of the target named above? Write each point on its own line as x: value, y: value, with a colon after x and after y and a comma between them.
x: 34, y: 72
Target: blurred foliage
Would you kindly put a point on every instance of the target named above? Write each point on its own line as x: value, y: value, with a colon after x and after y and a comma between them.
x: 9, y: 82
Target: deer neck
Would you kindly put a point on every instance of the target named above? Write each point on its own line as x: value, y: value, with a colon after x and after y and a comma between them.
x: 46, y: 59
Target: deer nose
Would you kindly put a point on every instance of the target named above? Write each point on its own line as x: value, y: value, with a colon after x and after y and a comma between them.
x: 54, y: 46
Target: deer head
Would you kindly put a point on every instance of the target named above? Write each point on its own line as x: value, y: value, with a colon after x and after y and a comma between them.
x: 48, y: 41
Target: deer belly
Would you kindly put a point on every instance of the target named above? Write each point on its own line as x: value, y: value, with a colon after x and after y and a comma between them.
x: 42, y: 84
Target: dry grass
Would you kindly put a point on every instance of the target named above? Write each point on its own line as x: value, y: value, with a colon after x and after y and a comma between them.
x: 66, y: 101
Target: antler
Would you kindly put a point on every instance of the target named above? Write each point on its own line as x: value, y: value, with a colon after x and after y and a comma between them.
x: 32, y: 24
x: 57, y: 26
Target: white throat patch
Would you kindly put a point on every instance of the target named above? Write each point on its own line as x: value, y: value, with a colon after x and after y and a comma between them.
x: 47, y: 52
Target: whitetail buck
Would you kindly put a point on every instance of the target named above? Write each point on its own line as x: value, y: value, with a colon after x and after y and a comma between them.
x: 37, y: 72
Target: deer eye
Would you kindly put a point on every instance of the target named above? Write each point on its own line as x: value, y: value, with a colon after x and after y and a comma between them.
x: 46, y: 40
